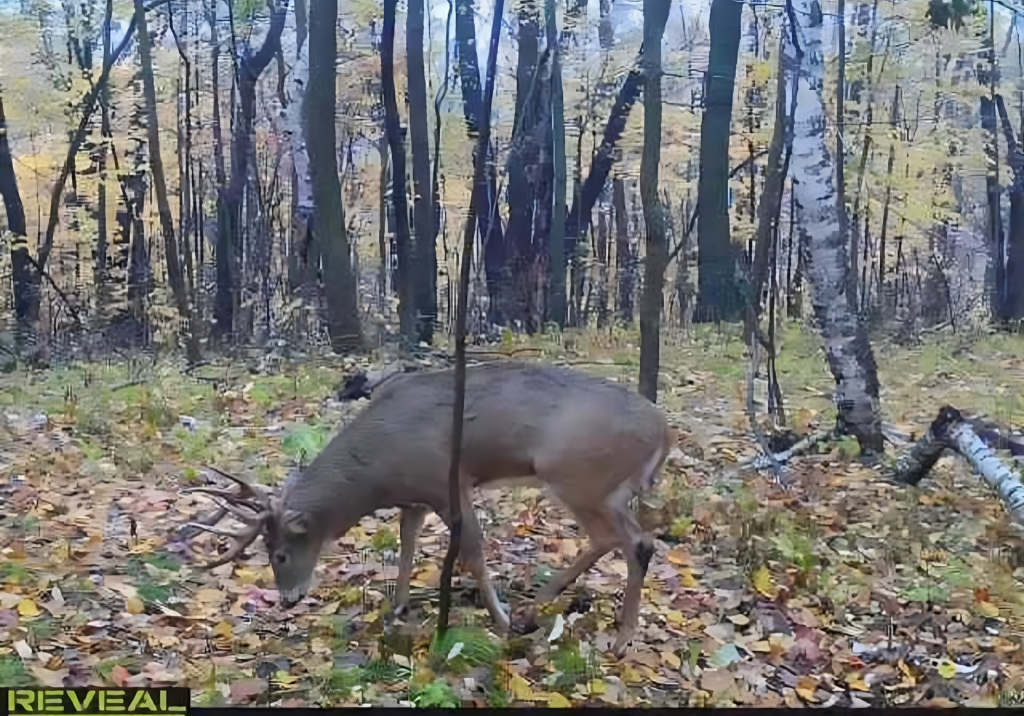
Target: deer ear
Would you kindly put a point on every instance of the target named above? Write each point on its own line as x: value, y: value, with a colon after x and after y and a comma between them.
x: 294, y: 522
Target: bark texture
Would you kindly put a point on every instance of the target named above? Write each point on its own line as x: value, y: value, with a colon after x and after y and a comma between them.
x: 655, y: 18
x: 847, y: 349
x: 321, y: 139
x: 716, y: 272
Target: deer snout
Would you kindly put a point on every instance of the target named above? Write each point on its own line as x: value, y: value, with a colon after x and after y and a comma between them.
x: 291, y: 597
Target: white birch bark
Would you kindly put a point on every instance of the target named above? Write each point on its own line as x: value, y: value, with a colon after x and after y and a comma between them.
x: 294, y: 133
x: 1000, y: 478
x: 812, y: 167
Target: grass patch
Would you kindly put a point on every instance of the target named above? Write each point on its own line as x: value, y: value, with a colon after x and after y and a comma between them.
x: 477, y: 650
x: 12, y: 672
x: 436, y: 695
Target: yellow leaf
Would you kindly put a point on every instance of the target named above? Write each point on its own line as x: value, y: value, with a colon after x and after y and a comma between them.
x: 631, y: 676
x: 670, y: 659
x: 859, y: 684
x: 947, y: 669
x: 134, y: 606
x: 675, y: 617
x: 805, y: 688
x: 520, y: 688
x: 761, y: 580
x: 557, y: 701
x: 686, y: 579
x: 247, y: 575
x: 223, y: 629
x: 284, y: 678
x: 762, y: 647
x: 598, y: 687
x: 679, y: 556
x: 28, y: 608
x: 143, y: 547
x: 987, y: 609
x: 209, y: 596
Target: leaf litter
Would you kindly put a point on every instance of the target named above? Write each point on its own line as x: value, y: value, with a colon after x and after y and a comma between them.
x: 843, y: 590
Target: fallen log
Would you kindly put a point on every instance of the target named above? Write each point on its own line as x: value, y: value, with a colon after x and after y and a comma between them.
x: 950, y: 430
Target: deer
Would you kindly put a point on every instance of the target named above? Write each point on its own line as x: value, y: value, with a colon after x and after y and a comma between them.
x: 591, y: 442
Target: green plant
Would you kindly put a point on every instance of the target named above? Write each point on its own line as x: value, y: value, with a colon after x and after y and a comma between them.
x: 44, y: 628
x: 14, y: 573
x: 679, y: 527
x: 477, y: 649
x: 572, y: 667
x: 334, y: 630
x: 304, y: 442
x: 147, y: 587
x: 12, y: 672
x: 796, y: 549
x: 384, y: 540
x: 436, y: 695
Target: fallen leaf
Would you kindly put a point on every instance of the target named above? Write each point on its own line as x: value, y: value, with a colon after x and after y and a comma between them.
x: 805, y: 688
x: 23, y: 649
x: 28, y: 608
x: 947, y: 669
x: 739, y: 619
x: 717, y: 681
x: 670, y: 659
x: 520, y: 688
x: 762, y: 581
x: 557, y: 701
x: 728, y: 654
x: 119, y: 676
x: 134, y: 606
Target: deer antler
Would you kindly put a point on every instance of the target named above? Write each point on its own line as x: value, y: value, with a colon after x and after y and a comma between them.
x: 241, y: 539
x: 248, y: 505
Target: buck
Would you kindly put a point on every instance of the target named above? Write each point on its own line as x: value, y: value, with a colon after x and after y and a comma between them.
x: 591, y: 442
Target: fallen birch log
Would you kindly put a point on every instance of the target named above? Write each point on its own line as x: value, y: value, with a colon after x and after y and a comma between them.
x: 950, y: 430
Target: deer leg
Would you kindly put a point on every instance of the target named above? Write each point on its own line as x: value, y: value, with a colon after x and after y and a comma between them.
x: 472, y: 553
x: 412, y: 521
x: 601, y: 530
x: 638, y: 548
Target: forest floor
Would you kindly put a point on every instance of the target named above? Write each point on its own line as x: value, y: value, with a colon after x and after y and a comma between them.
x: 843, y: 590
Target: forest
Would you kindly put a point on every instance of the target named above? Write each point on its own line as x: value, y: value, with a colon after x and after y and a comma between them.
x: 794, y: 226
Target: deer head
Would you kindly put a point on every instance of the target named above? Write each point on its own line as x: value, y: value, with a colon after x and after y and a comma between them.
x: 292, y: 541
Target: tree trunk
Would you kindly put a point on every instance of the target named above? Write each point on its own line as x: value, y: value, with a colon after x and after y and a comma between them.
x: 880, y: 303
x: 716, y: 273
x: 304, y: 258
x: 392, y: 125
x: 491, y: 232
x: 625, y: 255
x: 423, y: 196
x: 995, y: 220
x: 25, y: 279
x: 770, y: 209
x: 655, y: 17
x: 321, y: 140
x: 601, y: 165
x: 459, y: 398
x: 847, y: 349
x: 229, y: 239
x: 1013, y: 307
x: 100, y: 272
x: 556, y: 256
x: 851, y: 291
x: 175, y: 276
x: 601, y: 250
x: 526, y: 181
